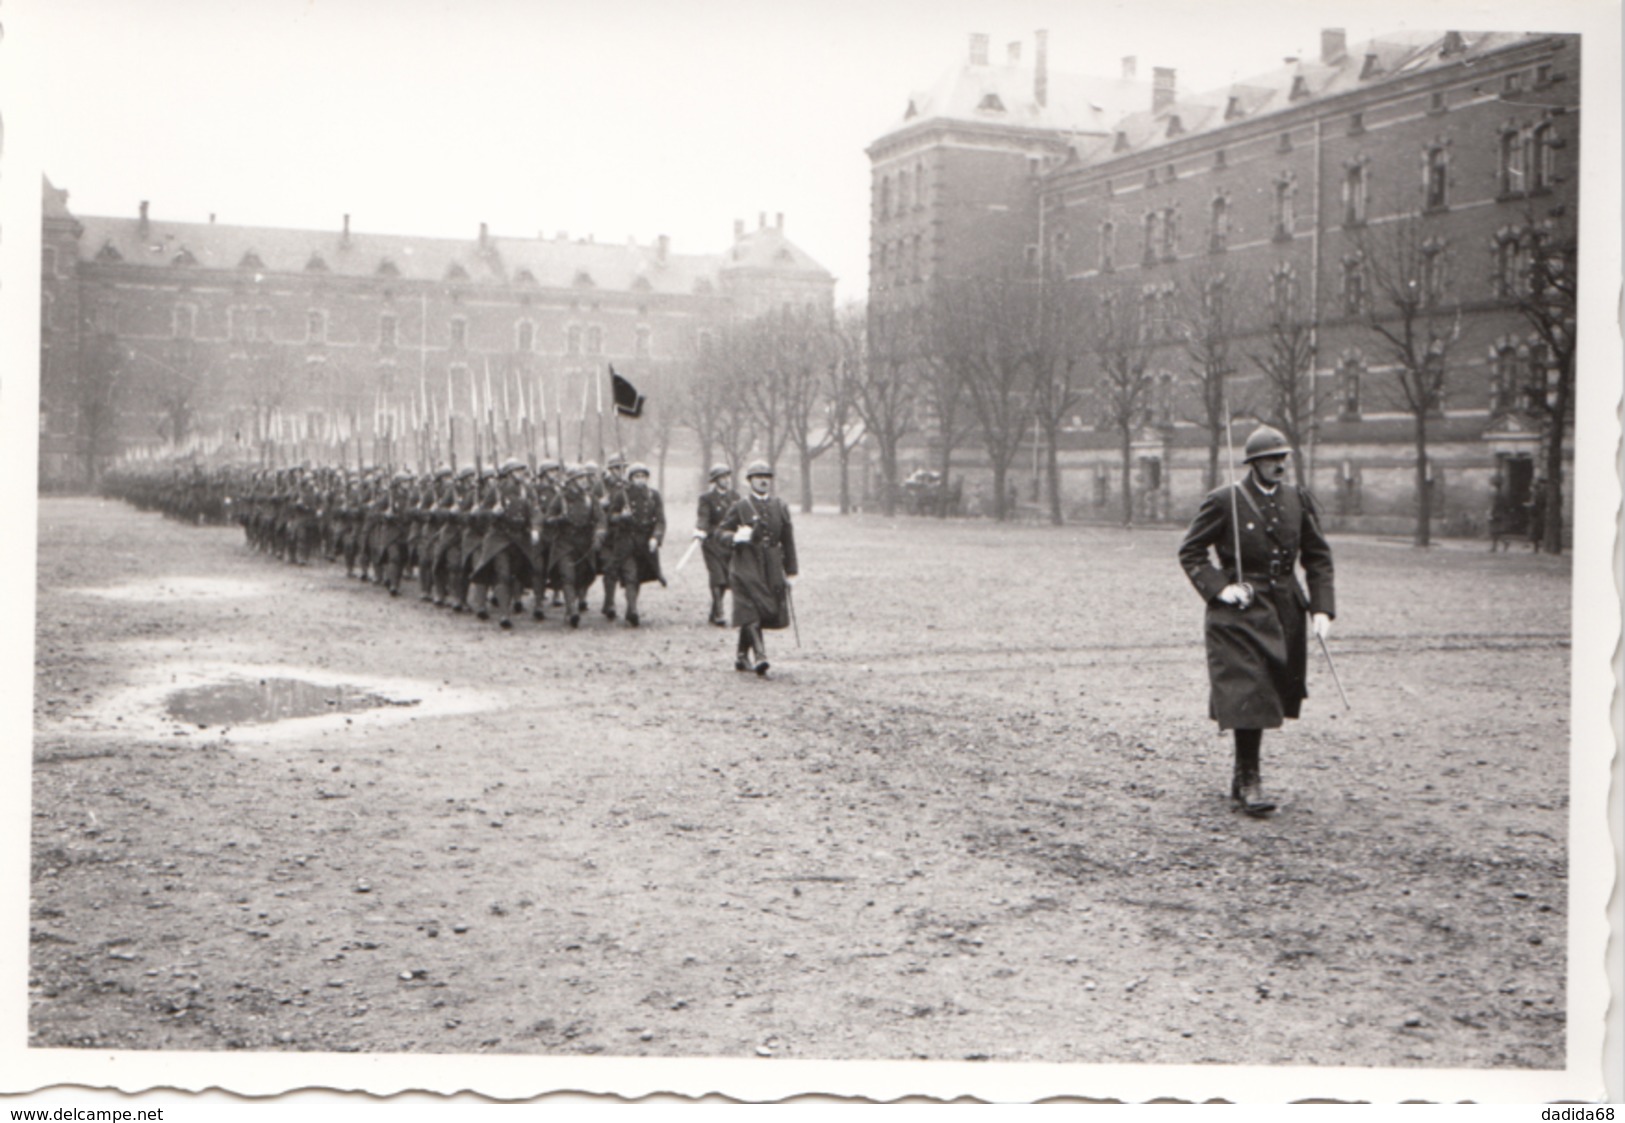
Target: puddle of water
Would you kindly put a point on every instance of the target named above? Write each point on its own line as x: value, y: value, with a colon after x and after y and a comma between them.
x: 178, y: 588
x: 267, y: 700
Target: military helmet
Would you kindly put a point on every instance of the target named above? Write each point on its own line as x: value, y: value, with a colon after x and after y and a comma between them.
x: 637, y: 469
x: 758, y: 468
x: 466, y: 472
x: 442, y: 473
x: 1266, y: 441
x: 580, y: 472
x: 510, y: 466
x: 544, y: 466
x: 488, y: 473
x: 403, y: 477
x: 590, y: 466
x: 617, y: 461
x: 717, y: 472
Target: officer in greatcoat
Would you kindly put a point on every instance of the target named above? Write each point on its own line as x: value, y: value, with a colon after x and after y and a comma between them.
x: 637, y: 526
x: 1257, y: 638
x: 762, y: 566
x: 715, y: 503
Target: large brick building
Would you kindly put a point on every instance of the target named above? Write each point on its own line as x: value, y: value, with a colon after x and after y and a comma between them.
x: 155, y: 330
x: 1277, y: 187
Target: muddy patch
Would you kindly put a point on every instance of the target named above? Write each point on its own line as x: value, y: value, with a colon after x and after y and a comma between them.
x: 258, y: 702
x: 242, y: 704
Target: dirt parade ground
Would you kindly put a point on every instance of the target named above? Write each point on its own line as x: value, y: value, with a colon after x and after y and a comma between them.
x: 979, y: 812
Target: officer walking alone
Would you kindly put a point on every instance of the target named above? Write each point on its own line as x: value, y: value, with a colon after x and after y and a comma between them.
x: 1257, y: 641
x: 763, y: 566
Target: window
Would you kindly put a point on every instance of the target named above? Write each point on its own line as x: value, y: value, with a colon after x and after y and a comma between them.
x: 47, y: 312
x: 386, y: 330
x: 572, y: 340
x: 1356, y: 124
x: 1508, y: 264
x: 1512, y: 162
x: 1348, y: 389
x: 315, y: 326
x: 1286, y: 190
x: 1030, y: 256
x: 1436, y: 180
x: 1283, y: 292
x: 885, y: 197
x: 1436, y: 102
x: 640, y: 341
x: 184, y: 323
x: 1354, y: 297
x: 459, y: 333
x: 914, y: 254
x: 1170, y: 234
x: 1356, y: 185
x: 595, y: 340
x: 1542, y: 158
x: 1512, y: 83
x: 1507, y: 384
x: 1108, y: 246
x: 919, y: 186
x: 1153, y: 221
x: 48, y: 261
x: 1538, y: 377
x: 1433, y: 273
x: 1219, y: 224
x: 524, y: 336
x: 1213, y: 300
x: 904, y: 199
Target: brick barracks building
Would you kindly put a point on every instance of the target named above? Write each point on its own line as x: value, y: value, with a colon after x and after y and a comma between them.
x: 153, y: 330
x: 1267, y: 184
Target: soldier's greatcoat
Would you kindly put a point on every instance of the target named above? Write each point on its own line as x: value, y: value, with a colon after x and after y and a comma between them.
x: 507, y: 507
x: 1257, y: 657
x: 760, y: 566
x: 713, y: 508
x: 635, y: 514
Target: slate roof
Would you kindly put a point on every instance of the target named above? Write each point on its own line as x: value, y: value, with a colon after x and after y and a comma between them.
x: 548, y: 263
x: 1075, y: 103
x: 1310, y: 79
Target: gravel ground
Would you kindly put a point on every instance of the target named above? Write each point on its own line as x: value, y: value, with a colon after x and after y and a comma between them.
x: 978, y: 813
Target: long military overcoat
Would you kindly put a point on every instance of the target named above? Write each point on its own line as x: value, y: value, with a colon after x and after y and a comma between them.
x: 1257, y: 657
x: 714, y: 506
x: 758, y: 567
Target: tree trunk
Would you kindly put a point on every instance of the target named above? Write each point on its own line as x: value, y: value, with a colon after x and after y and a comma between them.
x: 1424, y: 497
x: 888, y: 479
x: 1212, y: 459
x: 806, y: 481
x: 1552, y: 532
x: 1001, y: 501
x: 846, y: 476
x: 1052, y: 469
x: 1128, y: 482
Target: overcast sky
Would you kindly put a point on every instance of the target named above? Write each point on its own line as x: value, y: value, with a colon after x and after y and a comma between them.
x: 613, y: 118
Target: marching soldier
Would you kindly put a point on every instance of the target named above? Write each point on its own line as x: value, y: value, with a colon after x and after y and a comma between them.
x: 394, y: 510
x: 1257, y: 641
x: 503, y: 562
x: 544, y: 490
x: 763, y: 566
x: 575, y: 528
x: 637, y: 527
x: 613, y: 485
x: 715, y: 503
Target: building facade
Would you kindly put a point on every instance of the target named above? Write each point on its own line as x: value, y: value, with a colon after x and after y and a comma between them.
x: 1299, y: 189
x: 159, y: 335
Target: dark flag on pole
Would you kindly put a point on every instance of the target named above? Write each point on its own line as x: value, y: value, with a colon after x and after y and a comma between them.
x: 628, y: 402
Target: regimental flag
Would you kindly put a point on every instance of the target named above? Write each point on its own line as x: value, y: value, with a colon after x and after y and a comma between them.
x: 628, y: 402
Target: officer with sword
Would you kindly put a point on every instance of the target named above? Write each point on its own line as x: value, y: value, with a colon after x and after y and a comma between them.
x: 1259, y: 529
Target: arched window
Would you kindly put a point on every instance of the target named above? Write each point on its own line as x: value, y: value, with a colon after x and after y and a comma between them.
x: 1436, y: 178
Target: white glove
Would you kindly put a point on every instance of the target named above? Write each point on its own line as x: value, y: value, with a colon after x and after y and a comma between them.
x: 742, y: 536
x: 700, y: 534
x: 654, y: 544
x: 789, y: 581
x: 1322, y: 624
x: 1239, y: 595
x: 535, y: 536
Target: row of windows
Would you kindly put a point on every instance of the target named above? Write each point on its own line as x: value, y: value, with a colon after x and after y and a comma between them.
x: 901, y: 256
x: 1527, y: 165
x: 255, y: 324
x: 901, y: 193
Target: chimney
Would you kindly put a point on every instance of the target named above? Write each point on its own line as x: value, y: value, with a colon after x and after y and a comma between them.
x: 978, y: 48
x: 778, y: 222
x: 1334, y: 45
x: 485, y: 238
x: 143, y: 218
x: 1014, y: 52
x: 1041, y: 68
x: 1162, y: 88
x: 739, y: 229
x: 1128, y: 67
x: 662, y: 245
x: 761, y: 220
x: 211, y: 218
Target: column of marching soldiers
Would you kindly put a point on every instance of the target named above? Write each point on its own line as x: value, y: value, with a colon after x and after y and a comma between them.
x: 474, y: 541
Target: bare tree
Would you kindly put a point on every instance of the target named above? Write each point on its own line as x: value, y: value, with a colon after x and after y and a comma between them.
x: 804, y: 353
x: 1057, y: 388
x: 1209, y: 321
x: 717, y: 407
x: 1546, y: 296
x: 846, y: 375
x: 887, y: 390
x: 1123, y: 384
x: 1285, y: 356
x: 942, y: 389
x: 1417, y: 327
x: 989, y: 329
x: 98, y: 394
